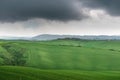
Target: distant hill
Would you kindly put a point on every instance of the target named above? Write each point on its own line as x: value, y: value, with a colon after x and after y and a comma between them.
x: 54, y: 37
x: 86, y: 37
x: 51, y: 37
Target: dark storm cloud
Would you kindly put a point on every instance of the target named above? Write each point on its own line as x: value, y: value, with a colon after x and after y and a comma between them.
x: 62, y: 10
x: 111, y: 6
x: 20, y: 10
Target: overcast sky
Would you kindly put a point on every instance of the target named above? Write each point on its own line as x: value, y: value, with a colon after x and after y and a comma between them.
x: 74, y: 17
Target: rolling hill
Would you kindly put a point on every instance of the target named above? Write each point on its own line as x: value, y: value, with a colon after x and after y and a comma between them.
x: 68, y: 54
x: 25, y: 73
x: 64, y: 59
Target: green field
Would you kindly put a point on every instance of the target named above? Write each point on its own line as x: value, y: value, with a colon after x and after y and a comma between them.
x: 24, y: 73
x: 62, y: 60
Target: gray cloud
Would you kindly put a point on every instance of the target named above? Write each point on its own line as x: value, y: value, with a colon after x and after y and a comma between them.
x: 111, y: 6
x: 61, y: 10
x: 20, y: 10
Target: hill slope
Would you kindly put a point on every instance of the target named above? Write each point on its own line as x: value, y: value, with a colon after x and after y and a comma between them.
x: 24, y: 73
x: 71, y: 54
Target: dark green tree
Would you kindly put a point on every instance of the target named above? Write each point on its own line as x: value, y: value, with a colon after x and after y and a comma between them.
x: 17, y: 52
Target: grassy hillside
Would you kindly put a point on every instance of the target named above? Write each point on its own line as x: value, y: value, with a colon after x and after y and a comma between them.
x: 24, y: 73
x: 69, y: 54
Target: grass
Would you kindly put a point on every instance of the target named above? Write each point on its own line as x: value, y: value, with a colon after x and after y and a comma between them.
x: 64, y: 60
x: 24, y: 73
x: 71, y: 54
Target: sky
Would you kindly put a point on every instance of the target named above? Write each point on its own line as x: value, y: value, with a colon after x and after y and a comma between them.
x: 26, y: 18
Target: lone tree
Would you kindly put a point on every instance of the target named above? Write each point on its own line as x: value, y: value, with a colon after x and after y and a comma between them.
x: 17, y: 53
